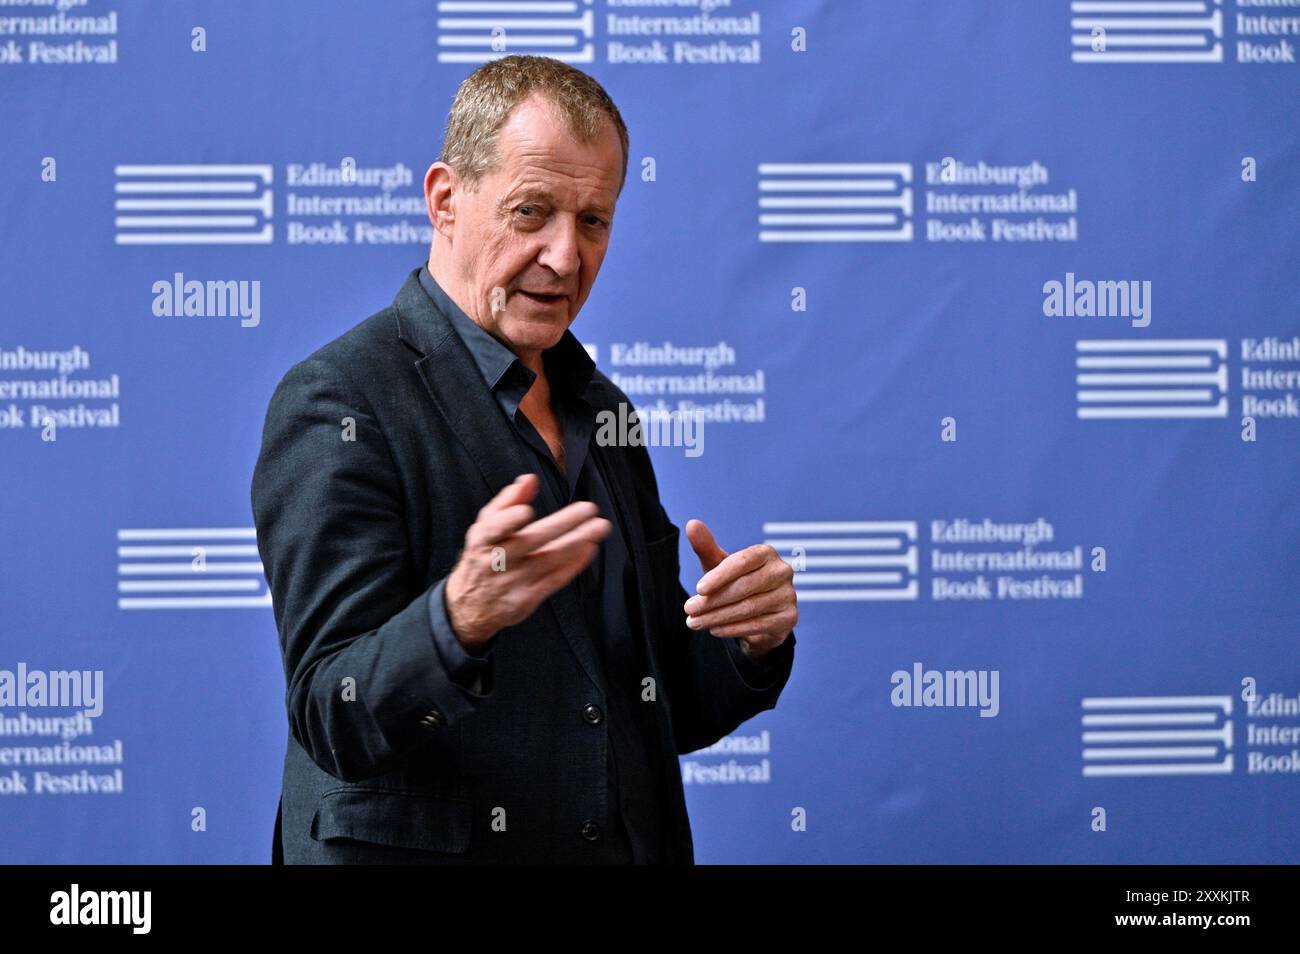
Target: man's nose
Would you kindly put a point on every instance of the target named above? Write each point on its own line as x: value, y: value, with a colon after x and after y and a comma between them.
x: 560, y: 253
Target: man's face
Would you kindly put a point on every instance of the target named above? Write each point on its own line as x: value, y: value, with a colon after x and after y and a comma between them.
x: 526, y: 246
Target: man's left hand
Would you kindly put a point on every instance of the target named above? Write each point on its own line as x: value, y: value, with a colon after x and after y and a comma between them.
x: 746, y: 595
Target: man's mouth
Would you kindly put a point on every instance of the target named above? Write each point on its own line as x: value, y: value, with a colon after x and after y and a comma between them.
x: 542, y: 298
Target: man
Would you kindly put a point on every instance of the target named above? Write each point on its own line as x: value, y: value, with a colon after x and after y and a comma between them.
x: 488, y: 652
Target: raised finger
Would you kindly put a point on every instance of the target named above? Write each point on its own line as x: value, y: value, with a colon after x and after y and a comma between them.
x: 748, y: 608
x: 733, y: 567
x: 520, y: 490
x: 592, y: 530
x: 497, y: 525
x: 564, y: 566
x: 553, y: 526
x: 769, y: 576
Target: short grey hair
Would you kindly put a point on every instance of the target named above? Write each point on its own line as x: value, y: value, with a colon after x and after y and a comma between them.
x: 486, y: 97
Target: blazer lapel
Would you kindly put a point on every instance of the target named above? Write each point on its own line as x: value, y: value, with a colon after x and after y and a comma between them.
x: 457, y: 390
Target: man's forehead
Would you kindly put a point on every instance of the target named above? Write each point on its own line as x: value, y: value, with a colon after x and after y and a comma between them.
x: 537, y: 154
x: 531, y: 169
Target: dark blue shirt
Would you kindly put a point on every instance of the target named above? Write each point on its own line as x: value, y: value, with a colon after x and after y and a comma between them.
x: 607, y: 587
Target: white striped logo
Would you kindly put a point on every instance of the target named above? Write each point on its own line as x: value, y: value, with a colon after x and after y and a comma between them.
x: 193, y: 205
x: 475, y: 31
x: 851, y: 561
x: 1157, y: 735
x: 1146, y: 31
x: 215, y: 568
x: 1143, y: 378
x: 834, y: 202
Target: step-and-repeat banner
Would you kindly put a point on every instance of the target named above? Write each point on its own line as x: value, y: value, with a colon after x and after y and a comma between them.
x: 990, y: 309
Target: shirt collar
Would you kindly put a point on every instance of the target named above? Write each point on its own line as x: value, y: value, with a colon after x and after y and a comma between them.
x: 569, y: 368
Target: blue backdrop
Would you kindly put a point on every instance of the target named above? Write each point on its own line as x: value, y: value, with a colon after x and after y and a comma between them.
x: 994, y: 316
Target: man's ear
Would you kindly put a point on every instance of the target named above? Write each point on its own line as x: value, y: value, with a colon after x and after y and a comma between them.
x: 440, y: 187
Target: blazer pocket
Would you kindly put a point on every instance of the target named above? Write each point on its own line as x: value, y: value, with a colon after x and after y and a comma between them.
x: 393, y: 818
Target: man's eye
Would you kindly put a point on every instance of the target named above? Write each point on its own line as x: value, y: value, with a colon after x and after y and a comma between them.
x: 525, y: 208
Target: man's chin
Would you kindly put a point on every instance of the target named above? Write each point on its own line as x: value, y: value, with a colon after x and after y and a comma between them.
x: 536, y: 333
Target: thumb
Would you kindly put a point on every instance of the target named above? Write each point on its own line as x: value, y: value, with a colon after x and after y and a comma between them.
x: 705, y: 547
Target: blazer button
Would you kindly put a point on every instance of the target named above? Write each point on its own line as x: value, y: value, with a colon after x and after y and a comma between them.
x: 591, y: 712
x: 434, y: 720
x: 590, y: 830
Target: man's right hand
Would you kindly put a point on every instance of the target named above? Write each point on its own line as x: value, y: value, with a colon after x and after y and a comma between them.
x: 511, y: 563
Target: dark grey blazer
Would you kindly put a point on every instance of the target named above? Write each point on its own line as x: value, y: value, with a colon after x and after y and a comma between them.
x: 378, y: 452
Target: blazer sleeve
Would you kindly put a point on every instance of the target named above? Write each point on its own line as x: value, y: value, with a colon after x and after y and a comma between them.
x: 365, y: 680
x: 712, y: 686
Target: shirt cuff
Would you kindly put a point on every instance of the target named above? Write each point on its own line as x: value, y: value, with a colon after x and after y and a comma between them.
x: 465, y: 669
